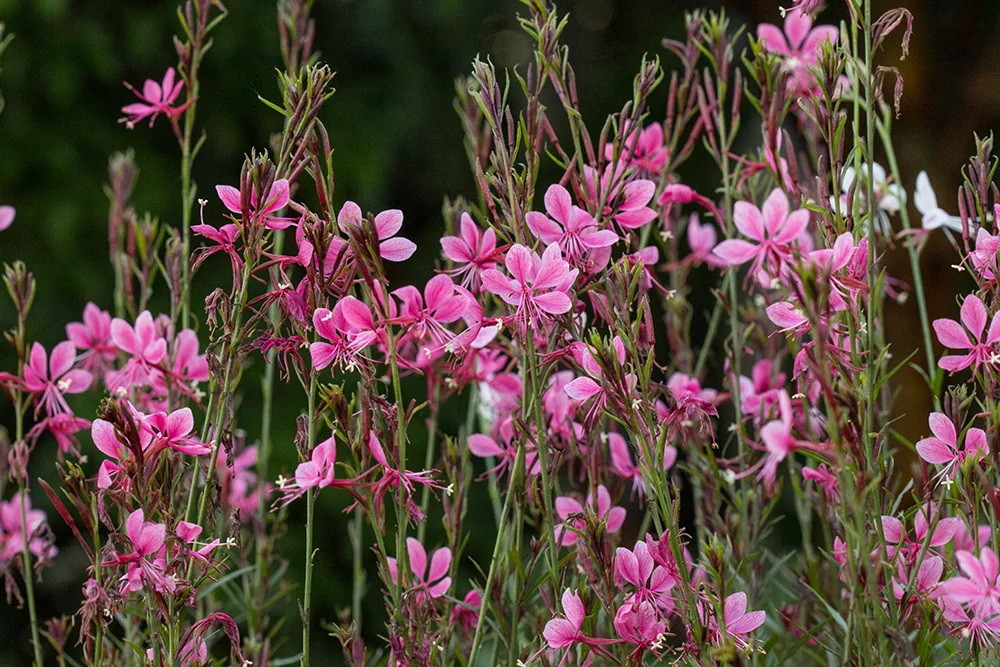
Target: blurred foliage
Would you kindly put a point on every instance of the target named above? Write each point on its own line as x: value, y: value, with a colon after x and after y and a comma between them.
x: 398, y: 144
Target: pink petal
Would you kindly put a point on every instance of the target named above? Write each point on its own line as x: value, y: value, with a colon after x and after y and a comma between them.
x: 437, y: 290
x: 951, y: 334
x: 230, y: 197
x: 350, y: 215
x: 566, y: 506
x: 773, y: 38
x: 519, y: 263
x: 103, y: 434
x: 734, y: 251
x: 397, y: 249
x: 735, y: 607
x: 616, y: 518
x: 558, y: 202
x: 943, y: 532
x: 934, y: 451
x: 180, y: 422
x: 748, y: 220
x: 573, y: 608
x: 599, y: 239
x: 559, y: 633
x: 794, y: 225
x: 455, y: 249
x: 387, y: 223
x: 76, y: 381
x: 6, y: 217
x: 774, y: 211
x: 797, y: 24
x: 418, y: 557
x: 953, y: 362
x: 893, y: 529
x: 974, y: 315
x: 440, y: 588
x: 440, y: 562
x: 943, y: 428
x: 61, y: 360
x: 817, y: 36
x: 554, y: 303
x: 123, y: 336
x: 543, y: 227
x: 748, y: 623
x: 582, y: 388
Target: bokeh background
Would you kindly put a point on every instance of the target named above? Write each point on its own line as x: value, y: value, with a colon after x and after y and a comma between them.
x: 398, y: 145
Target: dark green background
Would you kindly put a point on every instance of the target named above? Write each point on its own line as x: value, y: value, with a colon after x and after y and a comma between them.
x: 398, y: 144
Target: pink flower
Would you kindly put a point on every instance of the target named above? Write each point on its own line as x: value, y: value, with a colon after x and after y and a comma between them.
x: 643, y: 149
x: 952, y: 335
x: 156, y: 98
x: 224, y: 238
x: 52, y: 377
x: 387, y: 224
x: 394, y: 478
x: 942, y: 449
x: 621, y: 461
x: 779, y: 441
x: 435, y: 581
x: 144, y: 343
x: 762, y: 390
x: 799, y: 44
x: 318, y: 472
x: 928, y: 576
x: 63, y: 427
x: 624, y: 202
x: 590, y: 385
x: 538, y: 286
x: 980, y: 587
x: 898, y: 541
x: 984, y: 256
x: 485, y: 446
x: 981, y: 628
x: 638, y: 623
x: 147, y: 538
x: 6, y: 217
x: 349, y: 328
x: 106, y: 439
x: 652, y: 582
x: 277, y: 199
x: 426, y: 316
x: 701, y: 239
x: 738, y: 620
x: 570, y: 511
x: 564, y: 632
x: 573, y: 229
x: 774, y: 229
x: 475, y: 250
x: 173, y: 431
x: 12, y: 530
x: 93, y: 336
x: 824, y: 479
x: 466, y: 612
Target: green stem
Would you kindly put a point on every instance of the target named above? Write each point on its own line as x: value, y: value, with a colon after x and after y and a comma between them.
x: 516, y: 475
x: 542, y: 447
x: 432, y: 428
x: 310, y: 511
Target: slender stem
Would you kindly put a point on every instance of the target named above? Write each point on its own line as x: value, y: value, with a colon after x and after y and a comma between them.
x: 516, y: 475
x: 310, y: 511
x: 29, y: 583
x: 358, y: 580
x: 432, y: 429
x: 542, y: 447
x: 911, y: 249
